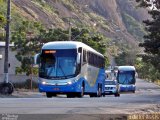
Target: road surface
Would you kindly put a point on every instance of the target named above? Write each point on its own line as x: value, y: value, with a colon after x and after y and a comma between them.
x: 145, y: 100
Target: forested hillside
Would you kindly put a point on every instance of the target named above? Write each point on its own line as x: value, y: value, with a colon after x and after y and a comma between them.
x: 117, y: 19
x: 120, y: 21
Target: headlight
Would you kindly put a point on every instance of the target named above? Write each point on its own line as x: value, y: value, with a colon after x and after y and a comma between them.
x: 43, y: 82
x: 69, y: 83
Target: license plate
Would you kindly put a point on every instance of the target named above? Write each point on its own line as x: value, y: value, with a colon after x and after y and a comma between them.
x: 107, y: 92
x: 56, y: 89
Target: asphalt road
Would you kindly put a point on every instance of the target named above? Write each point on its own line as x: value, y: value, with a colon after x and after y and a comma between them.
x: 145, y: 100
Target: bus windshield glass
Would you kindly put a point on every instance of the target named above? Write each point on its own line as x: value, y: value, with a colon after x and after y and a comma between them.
x: 59, y: 64
x: 126, y: 77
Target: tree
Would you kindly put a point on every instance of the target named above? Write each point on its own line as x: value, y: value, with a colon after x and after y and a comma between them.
x: 2, y: 14
x: 146, y: 70
x: 30, y: 37
x: 2, y: 21
x: 26, y: 45
x: 152, y: 39
x: 126, y: 58
x: 2, y: 25
x: 149, y: 3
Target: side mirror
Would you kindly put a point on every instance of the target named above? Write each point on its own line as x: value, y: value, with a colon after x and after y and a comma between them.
x: 78, y: 58
x: 37, y: 59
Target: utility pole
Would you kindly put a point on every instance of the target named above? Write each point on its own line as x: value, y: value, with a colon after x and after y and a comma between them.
x: 6, y: 64
x: 7, y: 87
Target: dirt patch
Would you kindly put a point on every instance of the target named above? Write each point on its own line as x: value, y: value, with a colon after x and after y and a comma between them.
x: 151, y: 109
x: 24, y: 93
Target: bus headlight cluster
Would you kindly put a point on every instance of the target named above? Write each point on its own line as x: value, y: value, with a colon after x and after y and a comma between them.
x: 69, y: 83
x: 43, y: 82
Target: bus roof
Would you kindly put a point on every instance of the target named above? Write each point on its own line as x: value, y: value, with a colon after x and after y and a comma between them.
x: 126, y: 68
x: 68, y: 45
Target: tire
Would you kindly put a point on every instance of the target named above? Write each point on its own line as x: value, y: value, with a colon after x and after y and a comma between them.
x: 92, y: 95
x: 49, y: 95
x: 117, y: 95
x: 98, y: 93
x: 7, y: 88
x: 70, y: 95
x: 54, y: 95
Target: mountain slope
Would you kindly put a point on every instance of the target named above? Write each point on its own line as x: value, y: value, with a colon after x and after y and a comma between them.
x: 117, y: 19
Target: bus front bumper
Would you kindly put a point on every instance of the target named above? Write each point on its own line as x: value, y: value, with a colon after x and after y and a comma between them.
x: 59, y: 88
x: 127, y: 88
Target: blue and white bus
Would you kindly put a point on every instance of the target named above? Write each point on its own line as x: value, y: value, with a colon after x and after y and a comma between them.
x: 126, y: 78
x: 71, y: 68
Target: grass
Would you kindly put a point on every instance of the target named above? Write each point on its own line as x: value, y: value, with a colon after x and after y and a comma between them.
x: 100, y: 21
x: 50, y: 11
x: 69, y: 4
x: 17, y: 18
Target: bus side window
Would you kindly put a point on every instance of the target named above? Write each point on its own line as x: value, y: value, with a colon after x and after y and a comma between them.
x: 84, y: 56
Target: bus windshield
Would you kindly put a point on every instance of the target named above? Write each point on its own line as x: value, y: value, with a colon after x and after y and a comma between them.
x: 59, y: 64
x: 126, y: 77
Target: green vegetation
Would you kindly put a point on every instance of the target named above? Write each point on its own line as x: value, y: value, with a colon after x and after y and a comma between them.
x: 43, y: 5
x: 133, y: 27
x: 16, y: 19
x: 2, y: 20
x: 16, y: 16
x: 69, y: 4
x: 2, y: 13
x: 26, y: 45
x: 99, y: 21
x: 29, y: 36
x: 147, y: 70
x: 151, y: 58
x: 126, y: 58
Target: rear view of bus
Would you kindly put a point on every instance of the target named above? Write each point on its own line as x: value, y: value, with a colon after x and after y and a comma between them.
x: 126, y: 78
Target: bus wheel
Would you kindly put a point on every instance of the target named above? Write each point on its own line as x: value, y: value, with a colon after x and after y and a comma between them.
x: 117, y: 95
x: 54, y: 95
x: 70, y: 95
x: 92, y: 95
x: 48, y: 94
